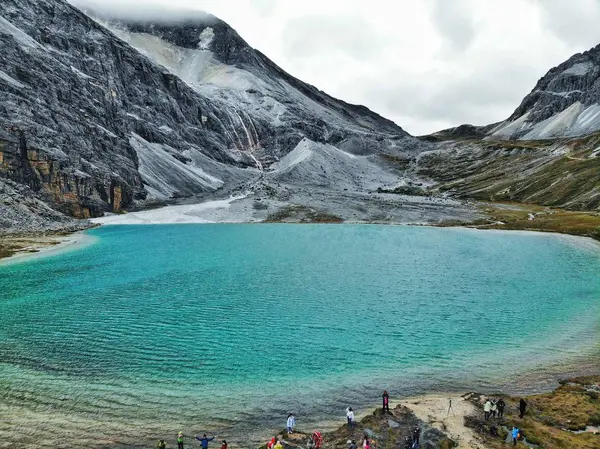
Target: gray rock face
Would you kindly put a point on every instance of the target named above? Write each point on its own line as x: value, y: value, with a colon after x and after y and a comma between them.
x: 91, y: 124
x: 22, y: 212
x: 565, y: 102
x: 268, y: 111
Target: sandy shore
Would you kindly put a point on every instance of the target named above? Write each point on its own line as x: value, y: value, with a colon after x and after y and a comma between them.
x: 19, y: 249
x: 434, y: 409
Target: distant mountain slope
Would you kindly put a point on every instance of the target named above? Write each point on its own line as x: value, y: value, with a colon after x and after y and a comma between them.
x: 90, y: 124
x: 564, y: 103
x: 561, y: 173
x: 269, y: 108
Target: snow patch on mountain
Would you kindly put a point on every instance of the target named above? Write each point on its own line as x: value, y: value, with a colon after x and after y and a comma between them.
x: 197, y: 67
x: 558, y: 124
x: 207, y: 212
x: 507, y: 129
x: 576, y: 120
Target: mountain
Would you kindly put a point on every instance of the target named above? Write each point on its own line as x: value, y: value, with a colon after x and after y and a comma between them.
x: 547, y: 152
x: 116, y: 113
x: 563, y: 103
x: 101, y: 118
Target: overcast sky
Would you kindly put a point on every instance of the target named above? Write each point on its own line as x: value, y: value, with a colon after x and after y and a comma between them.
x: 426, y: 64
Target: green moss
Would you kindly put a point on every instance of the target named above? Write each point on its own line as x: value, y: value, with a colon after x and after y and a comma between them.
x: 447, y: 444
x: 302, y: 214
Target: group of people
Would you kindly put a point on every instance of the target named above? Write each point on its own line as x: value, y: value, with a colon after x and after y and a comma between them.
x: 204, y: 440
x: 493, y: 408
x: 315, y: 441
x: 412, y: 441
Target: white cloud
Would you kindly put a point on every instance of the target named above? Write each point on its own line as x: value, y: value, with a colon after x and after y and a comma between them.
x: 425, y: 64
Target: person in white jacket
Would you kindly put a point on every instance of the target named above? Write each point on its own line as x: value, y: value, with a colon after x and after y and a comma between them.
x: 487, y: 408
x: 350, y: 416
x: 291, y: 422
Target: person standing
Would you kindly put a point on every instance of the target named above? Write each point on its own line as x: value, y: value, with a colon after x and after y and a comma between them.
x: 204, y: 441
x: 487, y: 409
x: 366, y: 442
x: 501, y: 404
x: 416, y: 434
x: 515, y: 435
x: 522, y: 407
x: 291, y: 422
x: 317, y: 439
x: 494, y: 408
x: 224, y: 445
x: 350, y: 416
x: 386, y: 402
x: 180, y: 440
x: 161, y: 444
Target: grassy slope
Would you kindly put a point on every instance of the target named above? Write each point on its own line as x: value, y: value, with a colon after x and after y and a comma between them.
x: 551, y: 417
x: 515, y: 216
x: 562, y: 173
x: 556, y: 180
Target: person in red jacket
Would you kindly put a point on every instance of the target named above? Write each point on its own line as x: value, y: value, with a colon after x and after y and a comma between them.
x: 386, y: 402
x: 317, y: 439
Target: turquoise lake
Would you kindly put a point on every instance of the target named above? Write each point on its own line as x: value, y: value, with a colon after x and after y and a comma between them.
x: 226, y: 328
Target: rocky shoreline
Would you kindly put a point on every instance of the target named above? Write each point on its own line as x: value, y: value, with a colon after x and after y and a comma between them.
x: 567, y: 417
x: 29, y: 236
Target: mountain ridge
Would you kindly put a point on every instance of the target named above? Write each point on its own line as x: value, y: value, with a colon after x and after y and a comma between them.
x: 105, y: 114
x: 101, y: 127
x: 565, y: 102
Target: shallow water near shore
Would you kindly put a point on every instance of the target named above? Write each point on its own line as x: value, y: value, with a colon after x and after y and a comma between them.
x: 227, y: 328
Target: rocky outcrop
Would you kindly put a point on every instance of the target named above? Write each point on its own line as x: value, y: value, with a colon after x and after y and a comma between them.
x: 564, y: 103
x: 21, y: 212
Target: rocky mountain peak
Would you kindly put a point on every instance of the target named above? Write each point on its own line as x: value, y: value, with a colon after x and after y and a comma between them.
x: 565, y: 102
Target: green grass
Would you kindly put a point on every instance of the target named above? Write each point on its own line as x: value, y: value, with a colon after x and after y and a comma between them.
x: 551, y: 417
x: 515, y: 216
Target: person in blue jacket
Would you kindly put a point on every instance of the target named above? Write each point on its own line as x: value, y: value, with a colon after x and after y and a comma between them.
x: 204, y: 441
x: 515, y: 435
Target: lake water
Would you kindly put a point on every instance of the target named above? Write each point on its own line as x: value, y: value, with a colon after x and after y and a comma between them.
x: 227, y: 328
